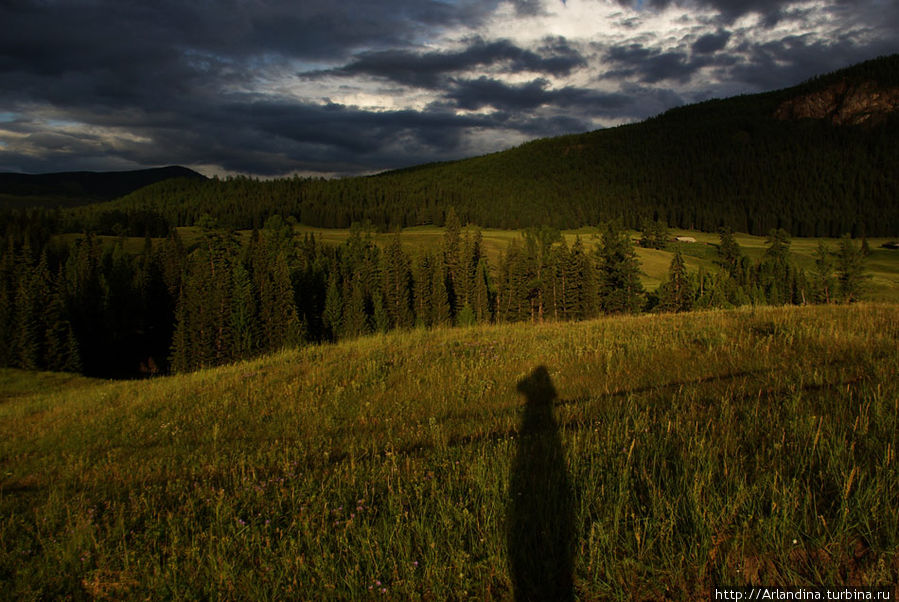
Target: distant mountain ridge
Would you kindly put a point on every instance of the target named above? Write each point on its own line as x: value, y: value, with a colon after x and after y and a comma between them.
x: 817, y: 159
x: 81, y: 187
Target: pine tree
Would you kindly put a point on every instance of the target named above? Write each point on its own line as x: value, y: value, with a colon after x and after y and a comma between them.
x: 174, y: 260
x: 73, y: 355
x: 203, y: 335
x: 472, y: 253
x: 850, y: 270
x: 244, y: 321
x: 379, y: 314
x: 7, y: 307
x: 396, y: 287
x: 452, y: 256
x: 676, y: 293
x: 179, y: 356
x: 822, y: 277
x: 58, y: 331
x: 332, y: 316
x: 421, y: 289
x: 355, y: 321
x: 440, y: 302
x: 582, y: 265
x: 563, y: 293
x: 775, y: 274
x: 28, y: 335
x: 655, y: 234
x: 481, y: 292
x: 539, y: 243
x: 619, y: 286
x: 730, y: 255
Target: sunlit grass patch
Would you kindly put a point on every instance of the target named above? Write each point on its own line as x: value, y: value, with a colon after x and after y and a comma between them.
x: 747, y: 446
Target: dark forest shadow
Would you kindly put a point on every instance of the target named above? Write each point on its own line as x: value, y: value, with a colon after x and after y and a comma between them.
x: 540, y: 519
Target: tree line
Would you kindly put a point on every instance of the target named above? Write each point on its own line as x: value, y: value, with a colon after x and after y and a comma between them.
x: 77, y: 305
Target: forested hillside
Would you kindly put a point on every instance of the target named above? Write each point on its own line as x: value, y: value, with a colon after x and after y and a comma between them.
x: 69, y: 189
x: 819, y: 159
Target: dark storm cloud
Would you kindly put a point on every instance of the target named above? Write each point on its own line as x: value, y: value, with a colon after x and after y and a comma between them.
x: 104, y: 84
x: 729, y: 9
x: 118, y: 51
x: 795, y: 59
x: 711, y: 42
x: 651, y: 65
x: 486, y: 92
x: 271, y: 138
x: 772, y: 11
x: 428, y: 69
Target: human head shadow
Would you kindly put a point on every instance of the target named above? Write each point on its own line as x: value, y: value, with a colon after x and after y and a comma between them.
x: 540, y: 517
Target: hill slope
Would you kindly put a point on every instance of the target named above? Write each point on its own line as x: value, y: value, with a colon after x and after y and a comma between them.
x: 68, y: 189
x: 818, y: 159
x: 682, y: 450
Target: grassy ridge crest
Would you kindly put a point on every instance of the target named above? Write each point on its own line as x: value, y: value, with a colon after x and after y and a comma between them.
x: 745, y: 446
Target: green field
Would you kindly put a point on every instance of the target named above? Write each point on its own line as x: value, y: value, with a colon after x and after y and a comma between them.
x: 734, y: 447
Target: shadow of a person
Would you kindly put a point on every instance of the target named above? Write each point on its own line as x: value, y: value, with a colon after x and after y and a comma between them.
x: 540, y: 518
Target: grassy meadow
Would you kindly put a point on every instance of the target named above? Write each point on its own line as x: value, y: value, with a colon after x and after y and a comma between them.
x: 658, y: 454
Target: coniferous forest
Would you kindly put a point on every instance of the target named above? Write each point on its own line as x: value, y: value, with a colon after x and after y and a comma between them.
x: 736, y: 163
x: 83, y: 306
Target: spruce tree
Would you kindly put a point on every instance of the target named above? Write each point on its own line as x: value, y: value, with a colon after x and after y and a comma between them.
x: 440, y: 303
x: 775, y: 274
x: 355, y: 321
x: 452, y: 255
x: 619, y: 286
x: 244, y: 320
x: 333, y: 313
x: 174, y: 259
x: 57, y: 330
x: 563, y: 293
x: 379, y: 314
x: 655, y: 234
x: 28, y: 334
x: 850, y: 270
x: 481, y: 292
x: 539, y: 243
x: 7, y: 308
x: 730, y: 255
x: 676, y: 293
x: 421, y: 289
x: 822, y: 276
x: 396, y: 284
x: 584, y: 273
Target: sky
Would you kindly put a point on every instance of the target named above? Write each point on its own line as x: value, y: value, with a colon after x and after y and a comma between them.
x: 278, y: 87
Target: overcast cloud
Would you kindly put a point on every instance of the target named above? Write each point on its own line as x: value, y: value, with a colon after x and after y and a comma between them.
x: 279, y: 87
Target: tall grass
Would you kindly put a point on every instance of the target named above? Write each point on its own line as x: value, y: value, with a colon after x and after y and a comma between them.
x: 749, y: 446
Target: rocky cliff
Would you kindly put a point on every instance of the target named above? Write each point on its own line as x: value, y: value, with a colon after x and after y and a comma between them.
x: 843, y: 104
